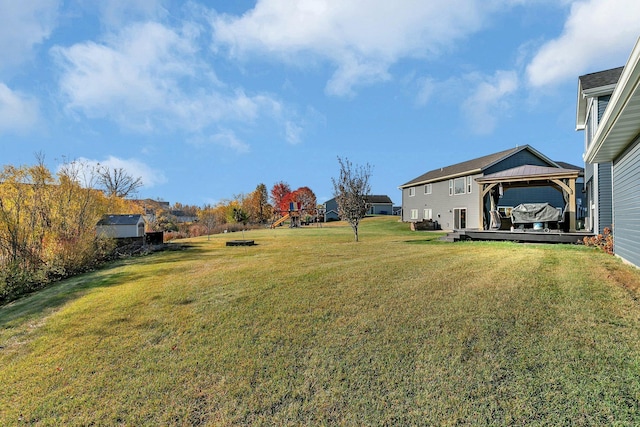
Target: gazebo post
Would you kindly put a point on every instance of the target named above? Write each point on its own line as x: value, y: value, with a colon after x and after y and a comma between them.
x: 572, y: 204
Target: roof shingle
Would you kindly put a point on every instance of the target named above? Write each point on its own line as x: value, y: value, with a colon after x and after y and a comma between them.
x: 464, y: 167
x: 600, y: 78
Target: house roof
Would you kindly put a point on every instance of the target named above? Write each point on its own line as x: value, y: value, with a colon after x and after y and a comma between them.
x: 620, y: 123
x: 565, y: 165
x: 131, y: 219
x: 378, y: 199
x: 469, y: 167
x: 532, y: 172
x: 592, y: 85
x: 600, y: 78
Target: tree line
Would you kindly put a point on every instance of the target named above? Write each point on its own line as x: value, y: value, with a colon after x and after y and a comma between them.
x: 47, y: 219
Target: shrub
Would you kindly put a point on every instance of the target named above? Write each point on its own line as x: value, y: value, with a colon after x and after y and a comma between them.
x: 603, y: 241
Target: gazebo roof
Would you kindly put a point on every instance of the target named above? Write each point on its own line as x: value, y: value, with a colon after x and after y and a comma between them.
x: 529, y: 173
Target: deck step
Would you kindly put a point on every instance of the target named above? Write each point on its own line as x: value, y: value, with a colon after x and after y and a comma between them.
x: 452, y: 237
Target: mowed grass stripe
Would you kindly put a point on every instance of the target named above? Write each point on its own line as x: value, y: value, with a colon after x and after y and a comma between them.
x: 310, y: 328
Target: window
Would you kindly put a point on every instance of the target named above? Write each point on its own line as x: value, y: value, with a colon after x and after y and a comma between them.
x: 451, y: 187
x: 459, y: 185
x: 412, y: 191
x: 427, y: 189
x: 414, y: 213
x: 469, y: 184
x: 427, y: 214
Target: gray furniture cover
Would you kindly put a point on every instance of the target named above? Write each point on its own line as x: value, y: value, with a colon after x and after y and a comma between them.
x: 535, y: 212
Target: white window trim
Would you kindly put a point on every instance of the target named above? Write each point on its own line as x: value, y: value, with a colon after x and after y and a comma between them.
x: 451, y: 187
x: 463, y: 188
x: 414, y: 213
x: 427, y: 214
x: 412, y: 191
x: 469, y: 184
x: 427, y: 189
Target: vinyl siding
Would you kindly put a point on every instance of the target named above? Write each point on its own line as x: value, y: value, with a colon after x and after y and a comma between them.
x: 605, y: 189
x: 520, y: 158
x: 441, y: 204
x: 588, y: 171
x: 626, y: 193
x: 603, y: 101
x: 515, y: 196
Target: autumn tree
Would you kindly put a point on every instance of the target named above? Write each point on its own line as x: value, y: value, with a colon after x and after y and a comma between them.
x: 256, y: 205
x: 116, y: 182
x: 307, y: 200
x: 207, y: 217
x: 350, y: 189
x: 278, y: 192
x: 47, y: 224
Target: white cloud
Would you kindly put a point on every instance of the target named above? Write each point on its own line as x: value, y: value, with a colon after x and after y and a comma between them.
x: 362, y: 38
x: 293, y: 133
x: 24, y: 24
x: 228, y: 138
x: 489, y: 100
x: 598, y: 34
x: 18, y: 112
x: 147, y: 78
x: 426, y: 88
x: 133, y: 167
x: 116, y: 13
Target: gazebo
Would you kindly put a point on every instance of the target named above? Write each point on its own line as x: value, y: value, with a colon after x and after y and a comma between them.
x: 564, y: 180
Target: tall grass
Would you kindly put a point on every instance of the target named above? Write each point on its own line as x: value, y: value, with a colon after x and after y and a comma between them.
x: 310, y: 328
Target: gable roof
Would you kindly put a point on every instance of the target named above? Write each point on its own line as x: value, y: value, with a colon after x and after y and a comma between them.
x: 619, y: 124
x: 600, y: 79
x: 565, y: 165
x: 378, y: 199
x: 132, y: 219
x: 470, y: 166
x: 592, y: 85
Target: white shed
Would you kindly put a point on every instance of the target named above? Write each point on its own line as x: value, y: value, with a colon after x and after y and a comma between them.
x: 121, y: 226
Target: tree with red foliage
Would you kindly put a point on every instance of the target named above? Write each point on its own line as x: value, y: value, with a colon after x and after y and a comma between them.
x: 278, y: 192
x: 307, y: 200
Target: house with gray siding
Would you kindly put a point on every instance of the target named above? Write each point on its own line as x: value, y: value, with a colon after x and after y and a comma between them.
x: 613, y: 137
x: 594, y: 93
x: 376, y: 205
x: 452, y: 196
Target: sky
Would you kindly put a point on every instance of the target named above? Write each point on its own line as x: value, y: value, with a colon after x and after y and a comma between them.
x: 205, y: 100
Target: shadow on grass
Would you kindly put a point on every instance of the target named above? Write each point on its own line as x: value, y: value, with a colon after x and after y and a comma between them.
x: 429, y: 240
x: 57, y: 294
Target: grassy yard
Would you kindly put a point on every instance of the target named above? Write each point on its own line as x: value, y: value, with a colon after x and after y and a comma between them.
x: 311, y: 328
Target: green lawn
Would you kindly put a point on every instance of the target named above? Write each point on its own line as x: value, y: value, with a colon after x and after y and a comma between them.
x: 311, y: 328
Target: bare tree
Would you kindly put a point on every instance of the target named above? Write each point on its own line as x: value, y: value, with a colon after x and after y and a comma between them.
x: 350, y: 190
x: 117, y: 182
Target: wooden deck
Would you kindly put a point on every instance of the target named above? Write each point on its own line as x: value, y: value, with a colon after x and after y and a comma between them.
x: 521, y: 236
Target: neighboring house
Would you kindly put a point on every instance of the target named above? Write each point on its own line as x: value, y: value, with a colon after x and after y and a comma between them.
x: 182, y: 216
x: 378, y: 205
x: 615, y: 138
x: 451, y: 195
x: 121, y: 226
x: 331, y: 210
x: 594, y: 94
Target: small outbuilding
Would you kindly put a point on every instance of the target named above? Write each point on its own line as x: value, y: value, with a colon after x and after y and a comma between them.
x: 121, y: 226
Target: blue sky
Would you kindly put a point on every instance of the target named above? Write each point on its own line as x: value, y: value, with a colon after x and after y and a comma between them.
x: 205, y: 100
